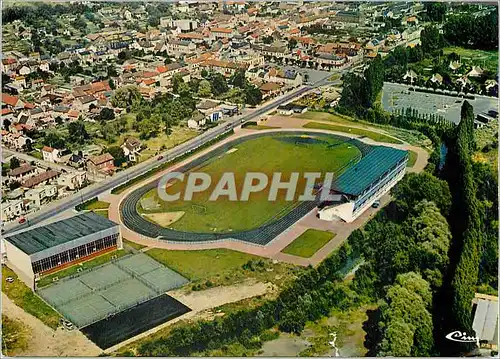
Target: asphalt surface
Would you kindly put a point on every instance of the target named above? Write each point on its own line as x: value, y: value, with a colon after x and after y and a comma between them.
x: 395, y: 96
x: 96, y: 189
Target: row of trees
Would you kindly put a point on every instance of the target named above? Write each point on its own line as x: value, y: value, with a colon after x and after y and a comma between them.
x: 360, y: 91
x: 467, y: 226
x: 472, y: 30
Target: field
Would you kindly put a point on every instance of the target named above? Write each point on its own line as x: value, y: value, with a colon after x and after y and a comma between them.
x: 214, y: 267
x: 267, y: 154
x: 353, y: 131
x: 308, y: 243
x: 25, y: 298
x: 485, y: 59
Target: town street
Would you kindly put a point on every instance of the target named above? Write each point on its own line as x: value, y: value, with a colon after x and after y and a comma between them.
x: 96, y: 189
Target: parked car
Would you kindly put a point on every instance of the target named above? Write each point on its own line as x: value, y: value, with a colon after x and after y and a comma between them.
x: 376, y: 204
x: 22, y: 220
x: 9, y: 279
x: 160, y: 158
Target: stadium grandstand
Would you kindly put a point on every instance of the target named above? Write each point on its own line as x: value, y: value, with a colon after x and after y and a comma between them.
x: 363, y: 183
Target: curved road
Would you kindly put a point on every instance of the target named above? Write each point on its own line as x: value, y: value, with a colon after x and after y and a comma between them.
x: 96, y: 189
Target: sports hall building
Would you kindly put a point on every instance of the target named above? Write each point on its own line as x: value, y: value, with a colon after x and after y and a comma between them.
x: 49, y: 248
x: 365, y: 182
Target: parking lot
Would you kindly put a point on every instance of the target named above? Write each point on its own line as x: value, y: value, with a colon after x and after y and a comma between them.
x: 397, y: 96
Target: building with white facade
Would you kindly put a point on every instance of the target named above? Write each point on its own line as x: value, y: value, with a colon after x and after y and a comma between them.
x: 46, y: 249
x: 359, y: 186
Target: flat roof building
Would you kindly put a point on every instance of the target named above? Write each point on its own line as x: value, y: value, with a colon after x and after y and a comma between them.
x: 359, y: 186
x: 49, y: 248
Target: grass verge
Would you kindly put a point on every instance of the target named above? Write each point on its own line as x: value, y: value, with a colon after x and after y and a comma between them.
x: 308, y: 243
x: 133, y: 244
x: 26, y: 299
x: 412, y: 158
x: 119, y: 189
x: 353, y: 131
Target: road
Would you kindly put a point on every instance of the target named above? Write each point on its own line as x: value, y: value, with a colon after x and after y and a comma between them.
x: 45, y: 164
x: 96, y: 189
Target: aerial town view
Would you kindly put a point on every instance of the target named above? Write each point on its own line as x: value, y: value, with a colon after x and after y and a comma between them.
x: 249, y: 178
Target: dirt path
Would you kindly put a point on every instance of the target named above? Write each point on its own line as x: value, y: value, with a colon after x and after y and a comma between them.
x: 201, y: 302
x: 44, y: 341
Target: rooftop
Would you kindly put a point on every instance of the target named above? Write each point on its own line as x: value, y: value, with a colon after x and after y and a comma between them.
x: 372, y: 166
x: 54, y: 234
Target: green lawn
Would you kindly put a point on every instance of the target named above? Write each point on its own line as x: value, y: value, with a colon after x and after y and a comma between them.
x: 308, y: 243
x: 46, y: 280
x: 484, y: 59
x: 25, y: 298
x: 325, y: 116
x: 96, y: 205
x: 260, y: 127
x: 412, y: 158
x: 133, y: 244
x: 199, y: 265
x: 102, y: 212
x: 353, y: 131
x: 222, y: 266
x: 283, y: 153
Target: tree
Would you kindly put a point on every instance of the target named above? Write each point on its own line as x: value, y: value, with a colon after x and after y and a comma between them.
x: 435, y: 10
x: 239, y: 79
x: 6, y: 124
x: 118, y: 155
x: 106, y: 114
x: 415, y: 187
x: 253, y: 96
x: 14, y: 163
x: 432, y: 236
x: 219, y: 83
x: 111, y: 84
x: 127, y: 96
x: 431, y: 39
x: 204, y: 89
x: 54, y: 140
x: 406, y: 323
x: 77, y: 132
x: 292, y: 43
x: 176, y: 81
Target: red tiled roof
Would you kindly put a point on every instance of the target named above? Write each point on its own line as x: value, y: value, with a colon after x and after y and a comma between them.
x: 97, y: 160
x: 21, y: 170
x: 221, y: 29
x: 29, y: 105
x: 9, y: 100
x: 6, y: 111
x: 47, y: 149
x: 42, y: 177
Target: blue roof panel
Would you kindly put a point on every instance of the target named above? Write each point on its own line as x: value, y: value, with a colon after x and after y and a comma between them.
x: 368, y: 170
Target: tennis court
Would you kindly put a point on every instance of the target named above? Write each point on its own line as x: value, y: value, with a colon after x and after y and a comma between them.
x: 106, y: 290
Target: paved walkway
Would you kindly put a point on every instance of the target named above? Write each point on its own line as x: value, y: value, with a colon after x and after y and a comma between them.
x: 274, y: 248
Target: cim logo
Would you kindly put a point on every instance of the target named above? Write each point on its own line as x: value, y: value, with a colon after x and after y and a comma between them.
x: 461, y: 337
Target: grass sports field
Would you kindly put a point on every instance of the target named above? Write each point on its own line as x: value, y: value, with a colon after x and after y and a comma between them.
x: 268, y: 154
x: 308, y: 243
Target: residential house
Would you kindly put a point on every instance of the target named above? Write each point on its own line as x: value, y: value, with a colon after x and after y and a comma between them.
x: 76, y: 161
x: 102, y: 164
x: 291, y: 108
x: 73, y: 180
x: 50, y: 154
x: 131, y: 148
x: 22, y: 172
x: 83, y: 103
x: 197, y: 120
x: 40, y: 195
x: 12, y: 209
x: 42, y: 178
